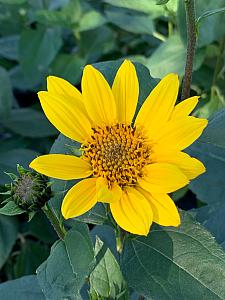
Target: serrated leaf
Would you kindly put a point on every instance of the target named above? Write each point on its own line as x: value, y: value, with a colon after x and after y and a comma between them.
x: 174, y: 263
x: 63, y: 274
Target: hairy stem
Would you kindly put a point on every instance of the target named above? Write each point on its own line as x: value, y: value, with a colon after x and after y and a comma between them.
x: 191, y: 42
x: 59, y: 229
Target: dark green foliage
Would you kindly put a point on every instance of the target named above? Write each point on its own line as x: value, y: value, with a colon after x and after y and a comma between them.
x: 59, y: 37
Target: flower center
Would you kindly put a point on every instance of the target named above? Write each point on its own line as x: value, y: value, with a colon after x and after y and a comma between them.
x: 118, y: 153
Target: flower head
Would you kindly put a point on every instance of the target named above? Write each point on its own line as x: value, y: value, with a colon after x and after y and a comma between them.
x: 29, y: 190
x: 130, y: 164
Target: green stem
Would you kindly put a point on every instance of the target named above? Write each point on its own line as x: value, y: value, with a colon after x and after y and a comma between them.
x: 59, y: 228
x: 191, y: 42
x: 170, y: 28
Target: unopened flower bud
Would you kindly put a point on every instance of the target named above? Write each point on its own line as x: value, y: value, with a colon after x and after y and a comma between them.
x: 29, y: 190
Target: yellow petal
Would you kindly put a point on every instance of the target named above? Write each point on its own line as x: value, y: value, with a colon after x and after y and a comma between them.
x: 184, y: 108
x: 162, y: 178
x: 106, y: 195
x: 159, y: 105
x: 65, y: 115
x: 165, y: 212
x: 190, y: 166
x: 181, y: 133
x: 60, y: 86
x: 133, y: 212
x: 98, y: 97
x: 79, y: 199
x: 125, y: 90
x: 62, y: 166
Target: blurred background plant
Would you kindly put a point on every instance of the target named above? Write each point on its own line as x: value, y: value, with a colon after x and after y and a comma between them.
x: 58, y: 37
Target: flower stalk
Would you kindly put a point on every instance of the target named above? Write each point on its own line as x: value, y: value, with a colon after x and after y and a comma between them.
x: 191, y: 43
x: 58, y: 227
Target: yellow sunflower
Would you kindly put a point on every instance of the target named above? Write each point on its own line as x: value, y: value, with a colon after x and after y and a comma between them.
x: 130, y: 164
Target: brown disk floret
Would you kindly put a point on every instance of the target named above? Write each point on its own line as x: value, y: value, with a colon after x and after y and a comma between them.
x: 118, y: 153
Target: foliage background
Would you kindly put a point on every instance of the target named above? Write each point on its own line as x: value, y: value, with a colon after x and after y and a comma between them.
x: 58, y: 37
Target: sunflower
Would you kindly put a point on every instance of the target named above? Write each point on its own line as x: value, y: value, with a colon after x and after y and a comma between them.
x: 130, y: 164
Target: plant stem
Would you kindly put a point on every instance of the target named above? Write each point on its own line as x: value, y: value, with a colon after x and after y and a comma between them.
x: 191, y: 42
x: 59, y: 229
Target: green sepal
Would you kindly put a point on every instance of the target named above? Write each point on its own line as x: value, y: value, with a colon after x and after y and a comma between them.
x: 31, y: 215
x: 11, y: 175
x: 11, y: 209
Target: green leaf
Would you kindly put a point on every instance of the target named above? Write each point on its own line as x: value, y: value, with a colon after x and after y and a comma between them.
x: 81, y: 256
x: 9, y: 47
x: 11, y: 209
x: 170, y: 56
x: 210, y: 13
x: 210, y: 187
x: 24, y: 121
x: 8, y: 236
x: 214, y: 132
x: 216, y: 102
x: 94, y: 43
x: 13, y: 1
x: 212, y: 218
x: 97, y: 215
x: 174, y: 263
x: 32, y: 254
x: 68, y: 16
x: 40, y: 47
x: 41, y: 228
x: 210, y: 29
x: 141, y: 24
x: 63, y: 274
x: 10, y: 158
x: 68, y: 66
x: 90, y: 20
x: 107, y: 280
x: 6, y: 94
x: 24, y: 288
x: 107, y: 235
x: 145, y: 6
x: 161, y: 2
